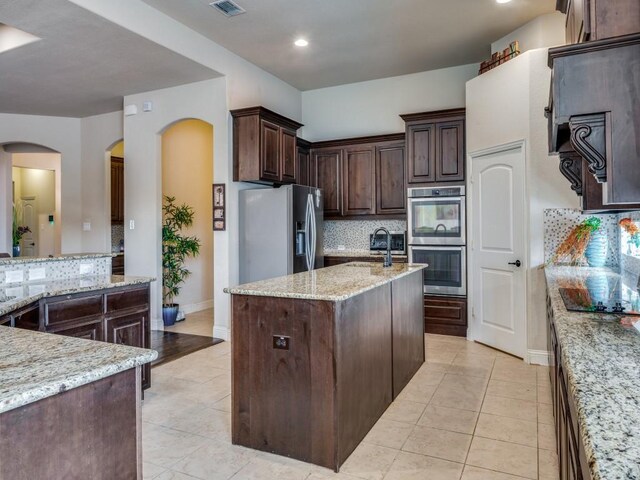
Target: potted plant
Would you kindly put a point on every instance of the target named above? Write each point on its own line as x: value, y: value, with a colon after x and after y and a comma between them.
x: 18, y: 233
x: 176, y: 248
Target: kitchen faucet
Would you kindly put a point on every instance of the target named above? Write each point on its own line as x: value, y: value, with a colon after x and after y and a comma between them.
x: 387, y: 261
x: 441, y: 225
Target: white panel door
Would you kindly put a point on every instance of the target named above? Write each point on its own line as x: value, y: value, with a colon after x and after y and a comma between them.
x: 29, y: 242
x: 498, y: 242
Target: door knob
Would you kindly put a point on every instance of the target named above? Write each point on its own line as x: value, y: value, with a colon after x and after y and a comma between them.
x: 517, y: 263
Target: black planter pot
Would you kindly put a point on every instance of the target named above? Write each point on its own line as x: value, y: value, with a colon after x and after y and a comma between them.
x: 169, y: 314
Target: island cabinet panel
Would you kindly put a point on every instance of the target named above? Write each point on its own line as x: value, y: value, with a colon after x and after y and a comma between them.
x: 408, y: 330
x: 310, y: 378
x: 87, y: 432
x: 283, y: 399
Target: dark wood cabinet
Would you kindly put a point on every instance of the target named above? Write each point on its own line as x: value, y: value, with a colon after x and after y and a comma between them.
x: 361, y: 177
x: 304, y: 162
x: 264, y: 147
x: 359, y: 180
x: 326, y: 165
x: 589, y: 108
x: 118, y: 315
x: 435, y: 147
x: 391, y: 196
x: 445, y: 315
x: 572, y: 463
x: 117, y: 190
x: 117, y: 265
x: 599, y: 19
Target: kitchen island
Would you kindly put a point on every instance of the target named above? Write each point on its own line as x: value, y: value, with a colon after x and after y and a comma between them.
x: 69, y: 408
x: 595, y: 375
x: 319, y: 356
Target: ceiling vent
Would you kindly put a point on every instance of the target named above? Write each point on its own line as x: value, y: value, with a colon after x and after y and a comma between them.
x: 228, y: 7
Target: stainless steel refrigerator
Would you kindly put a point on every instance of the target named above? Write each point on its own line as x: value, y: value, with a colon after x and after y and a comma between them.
x: 280, y: 231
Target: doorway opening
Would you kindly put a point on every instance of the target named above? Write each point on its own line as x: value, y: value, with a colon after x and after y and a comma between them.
x: 35, y: 199
x: 187, y: 175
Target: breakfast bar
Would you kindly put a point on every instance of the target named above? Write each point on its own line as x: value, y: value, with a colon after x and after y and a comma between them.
x: 318, y: 356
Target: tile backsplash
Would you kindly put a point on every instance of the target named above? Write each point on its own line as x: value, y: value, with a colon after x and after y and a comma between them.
x: 54, y: 269
x: 354, y: 234
x: 629, y: 257
x: 558, y: 222
x: 117, y: 234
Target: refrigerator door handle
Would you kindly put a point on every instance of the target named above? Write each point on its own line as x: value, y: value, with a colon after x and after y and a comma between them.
x: 313, y: 233
x: 307, y: 234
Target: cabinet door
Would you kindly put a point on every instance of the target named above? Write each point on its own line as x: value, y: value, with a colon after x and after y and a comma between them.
x: 327, y: 176
x: 114, y: 192
x: 390, y: 187
x: 421, y: 153
x: 28, y: 318
x: 288, y: 156
x: 91, y: 329
x: 359, y: 180
x: 270, y: 151
x: 445, y: 315
x: 6, y: 320
x: 450, y: 151
x: 303, y: 167
x: 131, y: 330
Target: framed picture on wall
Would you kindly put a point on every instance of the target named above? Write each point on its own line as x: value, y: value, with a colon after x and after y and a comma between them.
x: 219, y: 207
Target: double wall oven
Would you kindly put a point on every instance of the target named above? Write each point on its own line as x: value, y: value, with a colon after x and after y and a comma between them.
x: 437, y: 236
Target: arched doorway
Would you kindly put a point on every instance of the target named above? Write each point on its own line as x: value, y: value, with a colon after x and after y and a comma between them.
x: 187, y: 175
x: 32, y: 205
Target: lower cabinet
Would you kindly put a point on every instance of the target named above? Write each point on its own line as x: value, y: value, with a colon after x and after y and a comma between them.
x: 445, y: 315
x: 572, y: 462
x: 117, y: 315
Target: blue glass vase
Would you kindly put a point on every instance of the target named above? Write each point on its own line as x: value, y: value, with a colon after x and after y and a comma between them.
x: 597, y: 248
x: 16, y: 251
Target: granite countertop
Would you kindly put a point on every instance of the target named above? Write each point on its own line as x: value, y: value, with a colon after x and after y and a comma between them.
x: 359, y: 253
x: 68, y: 256
x: 602, y: 360
x: 331, y: 283
x: 36, y: 365
x: 14, y: 296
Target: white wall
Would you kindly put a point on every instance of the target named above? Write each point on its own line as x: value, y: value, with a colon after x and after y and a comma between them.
x: 373, y: 107
x: 544, y: 31
x: 6, y: 203
x: 98, y: 134
x: 506, y: 105
x: 62, y: 135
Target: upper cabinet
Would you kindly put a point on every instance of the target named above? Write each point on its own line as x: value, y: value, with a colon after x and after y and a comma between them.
x: 361, y: 177
x: 304, y: 162
x: 599, y: 19
x: 435, y: 147
x: 264, y: 147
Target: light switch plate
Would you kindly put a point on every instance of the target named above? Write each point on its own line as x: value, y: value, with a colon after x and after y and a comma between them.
x: 37, y: 273
x: 14, y: 276
x: 86, y: 268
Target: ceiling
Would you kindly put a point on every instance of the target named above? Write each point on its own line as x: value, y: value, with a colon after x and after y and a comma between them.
x: 84, y: 64
x: 356, y: 40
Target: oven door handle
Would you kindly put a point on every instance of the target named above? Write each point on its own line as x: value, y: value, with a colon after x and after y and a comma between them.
x: 423, y: 247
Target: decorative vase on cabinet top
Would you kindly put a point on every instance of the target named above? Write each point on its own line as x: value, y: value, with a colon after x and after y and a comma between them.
x: 597, y: 248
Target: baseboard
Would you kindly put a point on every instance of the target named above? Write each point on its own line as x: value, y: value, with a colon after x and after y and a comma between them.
x: 221, y: 332
x: 196, y: 307
x: 538, y: 357
x: 157, y: 324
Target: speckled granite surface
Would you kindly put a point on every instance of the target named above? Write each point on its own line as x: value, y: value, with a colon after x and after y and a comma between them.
x: 359, y: 253
x: 36, y: 365
x: 602, y: 360
x: 331, y: 283
x: 65, y: 257
x: 15, y: 296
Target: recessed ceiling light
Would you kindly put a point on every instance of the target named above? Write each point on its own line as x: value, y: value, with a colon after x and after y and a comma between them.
x: 301, y: 42
x: 11, y: 38
x: 503, y: 1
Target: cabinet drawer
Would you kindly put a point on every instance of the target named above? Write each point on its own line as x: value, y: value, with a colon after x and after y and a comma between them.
x: 70, y: 307
x: 121, y: 300
x: 446, y: 310
x: 90, y: 328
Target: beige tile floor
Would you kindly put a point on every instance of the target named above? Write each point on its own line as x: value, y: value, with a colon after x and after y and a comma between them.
x: 470, y: 413
x: 196, y: 323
